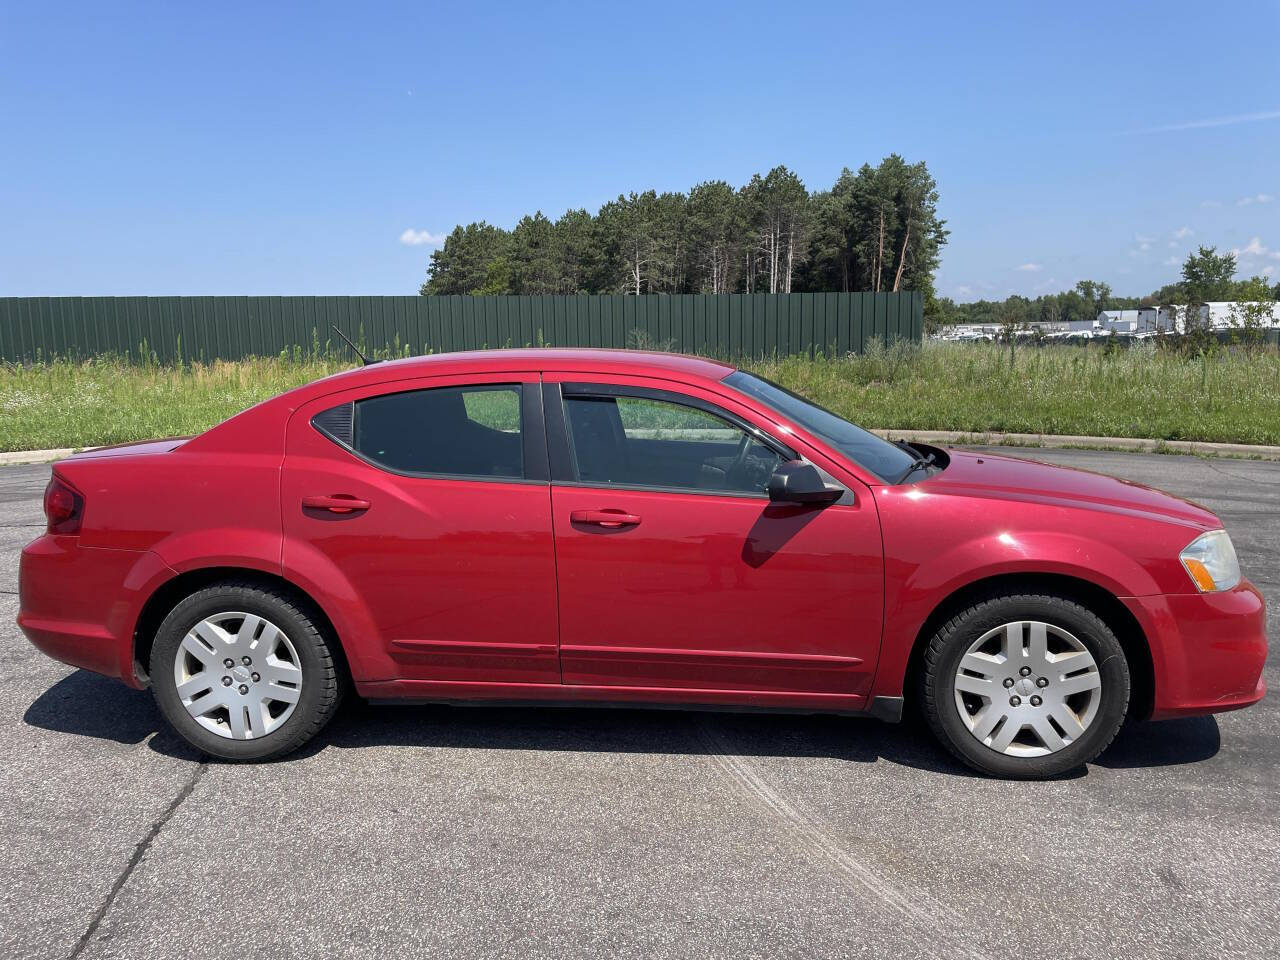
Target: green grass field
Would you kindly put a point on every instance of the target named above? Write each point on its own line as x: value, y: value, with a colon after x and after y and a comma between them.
x: 1233, y: 397
x: 1142, y: 392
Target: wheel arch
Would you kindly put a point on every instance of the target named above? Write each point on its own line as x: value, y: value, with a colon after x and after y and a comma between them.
x: 1101, y: 601
x: 170, y: 593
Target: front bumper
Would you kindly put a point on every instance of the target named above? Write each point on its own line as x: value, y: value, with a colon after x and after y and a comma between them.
x: 80, y: 604
x: 1207, y: 649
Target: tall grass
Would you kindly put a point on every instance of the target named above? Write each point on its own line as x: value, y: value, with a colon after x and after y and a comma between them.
x: 1233, y: 396
x: 66, y: 404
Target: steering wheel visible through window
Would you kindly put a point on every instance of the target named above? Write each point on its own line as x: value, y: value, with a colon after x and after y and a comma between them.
x: 650, y: 441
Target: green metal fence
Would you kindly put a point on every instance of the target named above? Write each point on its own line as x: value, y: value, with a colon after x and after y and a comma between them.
x: 207, y: 328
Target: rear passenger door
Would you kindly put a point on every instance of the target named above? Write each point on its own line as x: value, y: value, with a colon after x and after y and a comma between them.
x: 422, y: 507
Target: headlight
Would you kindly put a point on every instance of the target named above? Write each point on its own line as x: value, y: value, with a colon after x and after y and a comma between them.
x: 1211, y: 561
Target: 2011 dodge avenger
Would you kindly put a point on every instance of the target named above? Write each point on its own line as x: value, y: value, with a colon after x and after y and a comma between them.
x: 595, y: 526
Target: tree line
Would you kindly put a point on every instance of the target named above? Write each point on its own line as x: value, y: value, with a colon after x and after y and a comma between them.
x: 877, y: 229
x: 1207, y: 276
x: 1083, y: 302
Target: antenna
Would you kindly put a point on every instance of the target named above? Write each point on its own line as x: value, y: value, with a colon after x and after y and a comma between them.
x: 354, y: 349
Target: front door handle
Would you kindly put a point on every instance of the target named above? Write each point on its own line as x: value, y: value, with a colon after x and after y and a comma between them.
x: 605, y: 518
x: 338, y: 503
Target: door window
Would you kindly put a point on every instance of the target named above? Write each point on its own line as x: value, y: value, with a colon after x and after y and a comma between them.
x: 472, y: 431
x: 632, y: 441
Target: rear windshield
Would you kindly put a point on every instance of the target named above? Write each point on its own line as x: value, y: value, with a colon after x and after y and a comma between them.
x: 886, y: 461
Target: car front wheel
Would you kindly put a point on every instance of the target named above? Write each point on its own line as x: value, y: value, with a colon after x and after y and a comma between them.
x: 1026, y: 686
x: 244, y: 672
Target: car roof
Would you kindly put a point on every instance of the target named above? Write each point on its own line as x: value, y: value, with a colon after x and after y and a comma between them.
x: 562, y: 359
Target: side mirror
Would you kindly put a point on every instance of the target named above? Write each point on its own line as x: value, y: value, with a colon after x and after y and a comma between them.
x: 795, y: 481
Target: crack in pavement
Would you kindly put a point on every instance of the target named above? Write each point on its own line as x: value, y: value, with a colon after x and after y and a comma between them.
x: 139, y: 852
x: 921, y: 912
x: 1237, y: 476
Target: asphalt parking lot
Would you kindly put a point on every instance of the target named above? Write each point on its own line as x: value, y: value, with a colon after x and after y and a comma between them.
x: 439, y: 831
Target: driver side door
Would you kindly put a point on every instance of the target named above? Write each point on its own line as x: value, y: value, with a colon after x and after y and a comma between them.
x: 676, y: 572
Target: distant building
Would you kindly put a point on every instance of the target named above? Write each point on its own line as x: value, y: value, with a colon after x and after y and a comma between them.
x: 1141, y: 322
x: 1220, y: 315
x: 1077, y: 326
x: 1223, y: 315
x: 1118, y: 321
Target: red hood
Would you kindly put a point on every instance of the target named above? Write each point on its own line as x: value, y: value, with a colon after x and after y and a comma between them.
x: 1007, y: 478
x: 131, y: 449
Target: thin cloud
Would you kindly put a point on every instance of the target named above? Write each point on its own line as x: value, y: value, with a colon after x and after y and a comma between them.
x: 421, y: 238
x: 1030, y: 268
x: 1172, y: 262
x: 1182, y: 233
x: 1253, y: 248
x: 1211, y: 122
x: 1256, y: 198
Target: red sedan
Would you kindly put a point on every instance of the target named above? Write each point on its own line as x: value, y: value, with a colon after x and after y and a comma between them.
x: 594, y: 526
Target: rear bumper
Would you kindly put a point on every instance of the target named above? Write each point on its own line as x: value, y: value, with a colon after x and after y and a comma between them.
x: 80, y: 604
x: 1207, y: 649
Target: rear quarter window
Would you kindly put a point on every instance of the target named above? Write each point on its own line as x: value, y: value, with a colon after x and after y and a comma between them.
x: 443, y: 431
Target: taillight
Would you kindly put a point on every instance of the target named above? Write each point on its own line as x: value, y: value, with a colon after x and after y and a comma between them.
x: 63, y: 506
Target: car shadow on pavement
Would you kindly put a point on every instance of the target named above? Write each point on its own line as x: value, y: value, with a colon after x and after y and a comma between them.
x: 87, y: 705
x: 675, y: 731
x: 1163, y: 743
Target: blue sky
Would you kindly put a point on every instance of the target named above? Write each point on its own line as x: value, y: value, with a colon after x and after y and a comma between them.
x: 270, y: 148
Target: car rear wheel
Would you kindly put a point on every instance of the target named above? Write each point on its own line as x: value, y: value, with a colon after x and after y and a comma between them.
x: 1026, y: 686
x: 244, y: 672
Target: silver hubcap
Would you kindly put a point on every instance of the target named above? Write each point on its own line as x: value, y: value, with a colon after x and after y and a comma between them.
x: 1027, y: 689
x: 238, y: 675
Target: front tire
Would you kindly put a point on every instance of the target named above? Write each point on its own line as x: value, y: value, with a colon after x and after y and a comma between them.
x: 1025, y: 686
x: 244, y: 672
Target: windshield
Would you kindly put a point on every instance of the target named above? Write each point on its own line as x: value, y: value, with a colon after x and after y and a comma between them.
x: 884, y: 459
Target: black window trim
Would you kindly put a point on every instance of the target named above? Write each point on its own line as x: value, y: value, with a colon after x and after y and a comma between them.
x: 559, y: 445
x: 533, y: 437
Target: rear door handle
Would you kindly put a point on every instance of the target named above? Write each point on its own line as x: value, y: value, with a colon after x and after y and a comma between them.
x: 605, y: 518
x: 338, y: 503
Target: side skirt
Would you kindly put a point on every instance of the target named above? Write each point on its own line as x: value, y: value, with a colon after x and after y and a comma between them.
x: 409, y: 692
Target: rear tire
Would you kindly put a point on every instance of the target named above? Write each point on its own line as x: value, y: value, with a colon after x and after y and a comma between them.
x: 244, y: 672
x: 1025, y: 686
